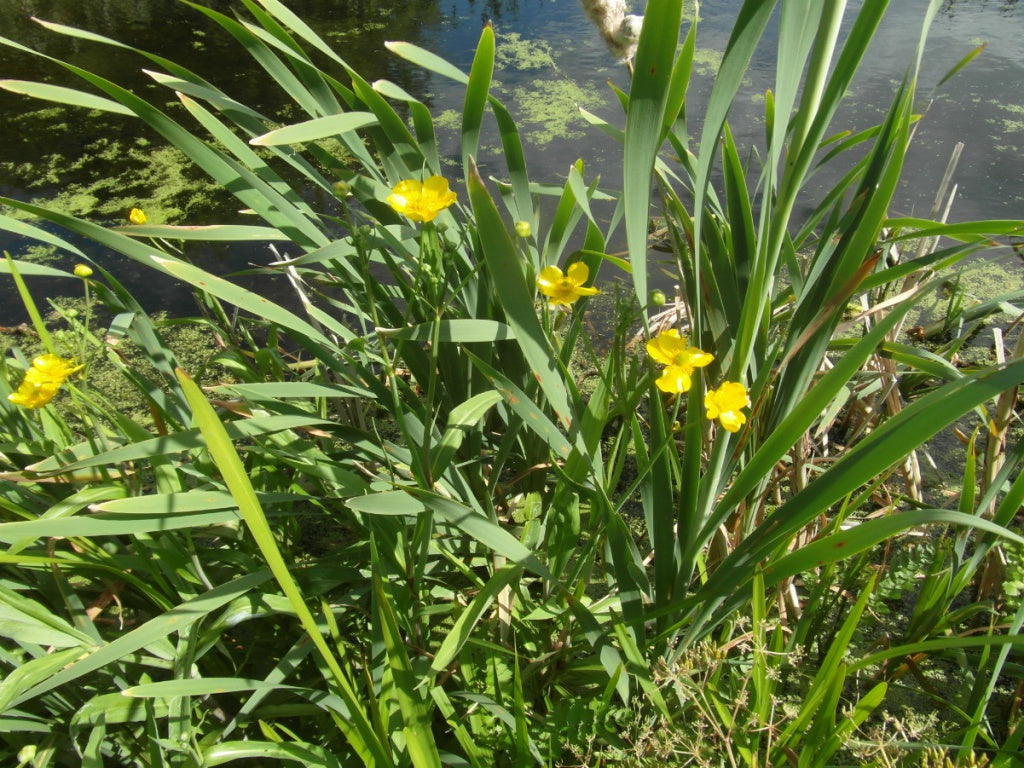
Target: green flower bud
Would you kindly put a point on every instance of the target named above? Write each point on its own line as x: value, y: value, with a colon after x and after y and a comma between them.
x: 658, y: 298
x: 523, y: 229
x: 342, y: 188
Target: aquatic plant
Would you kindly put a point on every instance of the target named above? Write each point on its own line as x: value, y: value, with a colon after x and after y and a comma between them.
x: 423, y: 521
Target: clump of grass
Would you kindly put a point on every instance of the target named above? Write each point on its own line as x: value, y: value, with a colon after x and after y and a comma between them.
x: 422, y: 517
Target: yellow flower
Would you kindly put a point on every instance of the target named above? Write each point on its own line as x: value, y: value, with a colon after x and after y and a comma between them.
x: 43, y: 380
x: 137, y: 216
x: 564, y: 288
x: 670, y: 349
x: 725, y: 403
x: 421, y: 201
x: 83, y: 270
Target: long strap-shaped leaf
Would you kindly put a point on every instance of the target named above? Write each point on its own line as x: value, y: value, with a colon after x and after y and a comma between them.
x: 887, y: 445
x: 649, y: 95
x: 359, y: 730
x: 177, y: 619
x: 517, y: 298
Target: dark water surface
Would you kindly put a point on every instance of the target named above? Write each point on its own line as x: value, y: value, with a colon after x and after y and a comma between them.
x: 550, y: 60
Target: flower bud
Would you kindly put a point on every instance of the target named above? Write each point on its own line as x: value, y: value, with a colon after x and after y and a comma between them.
x: 523, y: 229
x: 342, y: 189
x: 27, y: 753
x: 657, y: 298
x: 83, y: 270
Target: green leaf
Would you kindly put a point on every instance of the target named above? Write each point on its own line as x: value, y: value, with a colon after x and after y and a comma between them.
x: 414, y: 711
x: 358, y: 729
x: 242, y: 298
x: 26, y: 621
x: 865, y: 534
x: 255, y: 752
x: 209, y: 233
x: 962, y: 63
x: 470, y: 617
x: 63, y: 95
x: 30, y: 673
x: 476, y: 98
x: 174, y: 443
x: 460, y: 331
x: 645, y: 119
x: 523, y: 406
x: 386, y: 503
x: 22, y: 229
x: 429, y: 61
x: 129, y: 524
x: 517, y: 297
x: 318, y: 128
x: 461, y: 421
x: 178, y: 619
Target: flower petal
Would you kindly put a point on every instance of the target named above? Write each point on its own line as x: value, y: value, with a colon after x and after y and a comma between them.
x: 664, y: 347
x: 549, y: 279
x: 578, y: 273
x: 674, y: 379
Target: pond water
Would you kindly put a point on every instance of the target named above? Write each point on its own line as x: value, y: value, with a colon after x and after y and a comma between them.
x: 550, y: 60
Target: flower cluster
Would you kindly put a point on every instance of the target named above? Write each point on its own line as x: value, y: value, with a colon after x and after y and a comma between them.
x: 680, y: 359
x: 43, y: 380
x: 421, y: 201
x: 564, y: 288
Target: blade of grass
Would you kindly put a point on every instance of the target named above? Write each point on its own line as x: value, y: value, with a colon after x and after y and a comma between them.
x: 359, y: 730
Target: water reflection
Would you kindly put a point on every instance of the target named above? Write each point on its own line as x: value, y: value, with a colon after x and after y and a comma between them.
x: 550, y: 61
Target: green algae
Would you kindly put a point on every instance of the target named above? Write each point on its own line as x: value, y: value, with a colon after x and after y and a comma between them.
x: 980, y: 280
x: 514, y: 53
x: 75, y: 178
x: 449, y: 120
x: 1014, y: 122
x: 551, y: 109
x: 707, y: 61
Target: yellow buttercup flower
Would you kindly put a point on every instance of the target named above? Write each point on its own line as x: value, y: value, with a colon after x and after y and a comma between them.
x: 137, y: 216
x: 565, y: 288
x: 725, y: 403
x: 43, y: 380
x: 83, y: 270
x: 670, y: 349
x: 421, y: 201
